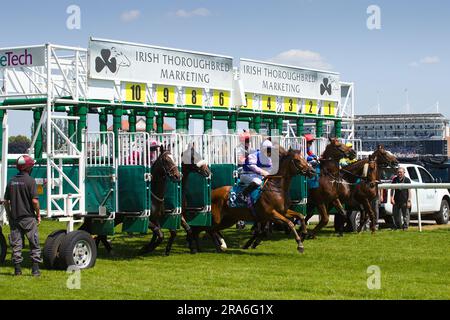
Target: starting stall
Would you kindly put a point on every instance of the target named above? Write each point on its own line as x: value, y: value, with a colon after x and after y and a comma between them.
x: 99, y: 179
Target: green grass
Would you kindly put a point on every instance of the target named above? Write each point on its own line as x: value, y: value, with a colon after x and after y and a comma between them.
x: 413, y: 266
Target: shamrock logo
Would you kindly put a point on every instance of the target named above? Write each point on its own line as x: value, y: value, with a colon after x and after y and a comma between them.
x: 105, y: 61
x: 325, y: 87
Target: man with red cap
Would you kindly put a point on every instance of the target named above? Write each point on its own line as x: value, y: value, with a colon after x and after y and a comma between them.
x: 22, y: 208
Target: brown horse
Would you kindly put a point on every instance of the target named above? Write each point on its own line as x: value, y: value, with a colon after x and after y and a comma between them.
x: 273, y: 204
x: 163, y: 168
x: 329, y: 183
x: 363, y: 178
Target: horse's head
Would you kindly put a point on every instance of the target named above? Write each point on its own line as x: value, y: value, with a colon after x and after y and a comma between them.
x: 166, y: 166
x: 193, y: 162
x: 337, y: 150
x: 297, y: 163
x: 385, y: 158
x: 372, y: 169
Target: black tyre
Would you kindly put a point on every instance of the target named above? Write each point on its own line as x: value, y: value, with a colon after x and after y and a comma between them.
x: 442, y: 216
x: 78, y: 249
x: 51, y: 249
x: 3, y: 247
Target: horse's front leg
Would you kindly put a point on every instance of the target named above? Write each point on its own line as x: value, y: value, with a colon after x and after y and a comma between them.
x: 157, y: 238
x: 189, y: 235
x: 278, y: 216
x: 173, y: 235
x: 368, y: 212
x: 256, y: 231
x: 324, y: 219
x: 303, y: 230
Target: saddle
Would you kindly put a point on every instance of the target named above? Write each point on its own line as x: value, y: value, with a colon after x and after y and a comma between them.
x: 236, y: 198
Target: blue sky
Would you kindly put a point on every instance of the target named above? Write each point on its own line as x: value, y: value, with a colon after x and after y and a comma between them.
x: 410, y: 51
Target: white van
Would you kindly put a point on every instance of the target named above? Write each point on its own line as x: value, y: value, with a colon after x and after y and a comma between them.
x: 434, y: 203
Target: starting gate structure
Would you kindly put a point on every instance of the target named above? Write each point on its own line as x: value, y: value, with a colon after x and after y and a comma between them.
x: 100, y: 178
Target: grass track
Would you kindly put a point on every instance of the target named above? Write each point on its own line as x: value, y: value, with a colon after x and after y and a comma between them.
x: 413, y: 266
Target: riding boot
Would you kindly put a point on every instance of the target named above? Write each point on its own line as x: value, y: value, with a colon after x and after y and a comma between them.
x: 249, y: 189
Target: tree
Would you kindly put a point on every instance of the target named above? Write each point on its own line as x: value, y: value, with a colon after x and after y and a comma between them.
x: 18, y: 144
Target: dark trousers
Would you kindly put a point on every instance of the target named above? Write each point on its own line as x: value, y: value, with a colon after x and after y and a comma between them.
x: 16, y: 239
x: 401, y: 214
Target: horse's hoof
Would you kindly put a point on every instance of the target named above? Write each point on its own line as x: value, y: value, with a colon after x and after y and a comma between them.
x: 310, y: 237
x: 301, y: 249
x: 194, y: 251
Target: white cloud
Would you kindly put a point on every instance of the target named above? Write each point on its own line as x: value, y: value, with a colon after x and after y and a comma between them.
x: 302, y: 58
x: 426, y: 60
x: 129, y: 16
x: 430, y: 60
x: 199, y: 12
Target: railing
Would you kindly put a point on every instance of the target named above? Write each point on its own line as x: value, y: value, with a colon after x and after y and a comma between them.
x: 415, y: 186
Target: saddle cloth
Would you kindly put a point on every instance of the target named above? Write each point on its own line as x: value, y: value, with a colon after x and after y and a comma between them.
x: 313, y: 183
x: 237, y: 200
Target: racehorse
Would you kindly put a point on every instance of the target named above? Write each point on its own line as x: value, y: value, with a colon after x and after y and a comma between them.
x: 272, y: 205
x: 164, y: 167
x: 329, y: 182
x: 363, y: 178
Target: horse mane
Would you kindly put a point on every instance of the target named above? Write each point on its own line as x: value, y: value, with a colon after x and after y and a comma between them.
x: 357, y: 166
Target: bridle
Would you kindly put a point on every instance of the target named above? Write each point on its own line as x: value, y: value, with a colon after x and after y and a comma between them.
x: 167, y: 172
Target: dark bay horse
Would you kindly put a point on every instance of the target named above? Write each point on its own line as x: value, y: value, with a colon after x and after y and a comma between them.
x: 363, y: 177
x: 194, y: 165
x: 164, y: 167
x: 273, y: 204
x: 329, y: 183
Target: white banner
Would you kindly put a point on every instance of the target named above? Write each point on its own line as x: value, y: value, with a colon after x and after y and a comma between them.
x: 22, y: 57
x: 285, y: 81
x: 147, y: 64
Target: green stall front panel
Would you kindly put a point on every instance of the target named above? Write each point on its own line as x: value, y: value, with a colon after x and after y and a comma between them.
x: 135, y: 224
x: 222, y: 175
x: 172, y: 202
x: 133, y: 190
x: 102, y: 227
x: 100, y: 189
x: 298, y: 192
x: 198, y: 198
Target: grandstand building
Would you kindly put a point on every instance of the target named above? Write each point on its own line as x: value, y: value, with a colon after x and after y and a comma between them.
x: 406, y: 135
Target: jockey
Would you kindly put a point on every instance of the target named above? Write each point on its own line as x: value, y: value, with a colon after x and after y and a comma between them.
x: 311, y: 157
x: 346, y: 161
x: 154, y: 145
x: 244, y: 149
x: 257, y: 165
